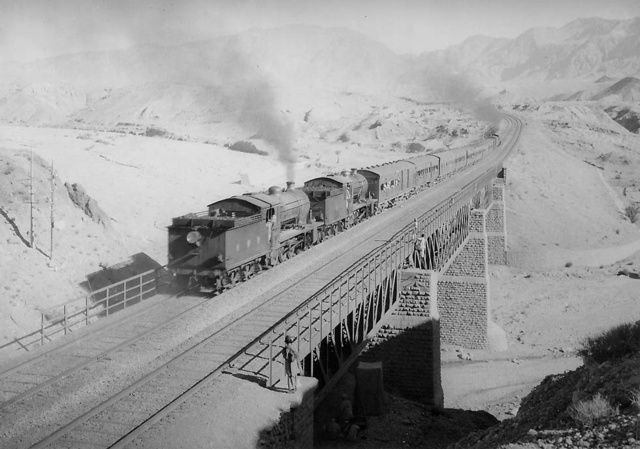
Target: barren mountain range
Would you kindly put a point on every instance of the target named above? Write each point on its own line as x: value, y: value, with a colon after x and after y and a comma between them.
x: 201, y: 82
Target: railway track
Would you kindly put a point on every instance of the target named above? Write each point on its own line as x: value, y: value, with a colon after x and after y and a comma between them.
x: 147, y: 382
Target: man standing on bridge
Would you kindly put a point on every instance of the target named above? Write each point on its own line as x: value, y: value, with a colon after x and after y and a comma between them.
x: 290, y: 356
x: 420, y: 251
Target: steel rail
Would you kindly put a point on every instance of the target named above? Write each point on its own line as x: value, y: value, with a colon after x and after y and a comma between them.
x: 80, y: 315
x: 88, y: 360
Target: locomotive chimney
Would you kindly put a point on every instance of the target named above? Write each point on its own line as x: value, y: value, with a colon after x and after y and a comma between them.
x: 290, y: 185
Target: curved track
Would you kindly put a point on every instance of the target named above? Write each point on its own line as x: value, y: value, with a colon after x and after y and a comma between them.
x: 151, y: 385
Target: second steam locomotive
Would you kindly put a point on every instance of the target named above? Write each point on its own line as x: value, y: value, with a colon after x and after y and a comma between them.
x: 243, y: 235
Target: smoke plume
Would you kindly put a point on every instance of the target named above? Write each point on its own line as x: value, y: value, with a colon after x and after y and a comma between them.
x: 260, y: 115
x: 461, y: 91
x: 253, y: 98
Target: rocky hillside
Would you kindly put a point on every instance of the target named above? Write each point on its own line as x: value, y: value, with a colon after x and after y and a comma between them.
x: 626, y: 115
x: 619, y: 99
x: 546, y: 418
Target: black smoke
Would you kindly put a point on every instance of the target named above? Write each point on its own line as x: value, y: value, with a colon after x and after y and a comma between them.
x: 259, y: 113
x: 252, y: 100
x: 461, y: 91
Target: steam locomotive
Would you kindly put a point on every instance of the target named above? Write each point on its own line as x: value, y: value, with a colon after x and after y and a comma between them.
x: 240, y: 236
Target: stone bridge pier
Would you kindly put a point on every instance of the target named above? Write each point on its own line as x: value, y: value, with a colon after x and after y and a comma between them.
x: 463, y: 293
x: 463, y: 289
x: 449, y: 305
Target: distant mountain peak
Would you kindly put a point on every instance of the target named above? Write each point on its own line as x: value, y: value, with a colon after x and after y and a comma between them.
x: 604, y: 79
x: 627, y: 89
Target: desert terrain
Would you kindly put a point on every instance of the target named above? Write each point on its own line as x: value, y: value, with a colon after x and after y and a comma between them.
x: 139, y: 183
x: 147, y: 153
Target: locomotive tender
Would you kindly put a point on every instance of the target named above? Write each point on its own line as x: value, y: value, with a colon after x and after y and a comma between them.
x: 243, y: 235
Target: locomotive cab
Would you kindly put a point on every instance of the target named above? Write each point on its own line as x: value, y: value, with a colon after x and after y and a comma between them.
x: 336, y: 197
x: 228, y: 234
x: 234, y: 233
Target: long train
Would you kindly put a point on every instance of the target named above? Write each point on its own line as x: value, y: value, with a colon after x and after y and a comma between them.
x: 243, y: 235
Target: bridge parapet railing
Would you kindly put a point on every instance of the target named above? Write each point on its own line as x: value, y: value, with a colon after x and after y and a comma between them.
x: 71, y: 315
x: 344, y: 310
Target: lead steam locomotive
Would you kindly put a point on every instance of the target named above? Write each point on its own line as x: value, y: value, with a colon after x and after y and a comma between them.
x: 243, y: 235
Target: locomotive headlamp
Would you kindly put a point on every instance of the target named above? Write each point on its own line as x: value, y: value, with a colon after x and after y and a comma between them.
x: 194, y: 237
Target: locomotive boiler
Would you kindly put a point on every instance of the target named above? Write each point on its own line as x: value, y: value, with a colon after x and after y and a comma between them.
x: 339, y: 201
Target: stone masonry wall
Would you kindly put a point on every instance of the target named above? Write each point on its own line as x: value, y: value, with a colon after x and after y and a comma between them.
x: 469, y: 260
x: 496, y: 246
x: 463, y: 289
x: 408, y: 344
x: 497, y: 226
x: 464, y: 310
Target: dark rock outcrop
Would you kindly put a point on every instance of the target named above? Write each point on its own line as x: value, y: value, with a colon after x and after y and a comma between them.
x: 88, y: 205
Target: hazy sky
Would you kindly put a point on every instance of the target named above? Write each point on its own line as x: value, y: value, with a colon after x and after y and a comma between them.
x: 32, y: 29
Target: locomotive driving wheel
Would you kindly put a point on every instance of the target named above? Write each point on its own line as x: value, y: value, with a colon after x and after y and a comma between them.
x: 257, y: 266
x: 283, y: 254
x: 247, y: 271
x: 230, y: 279
x: 233, y: 277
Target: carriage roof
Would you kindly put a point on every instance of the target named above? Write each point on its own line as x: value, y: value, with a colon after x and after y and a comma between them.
x: 389, y: 169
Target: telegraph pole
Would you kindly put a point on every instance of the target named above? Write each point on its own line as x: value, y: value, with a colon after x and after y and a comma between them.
x: 31, y: 201
x: 53, y: 187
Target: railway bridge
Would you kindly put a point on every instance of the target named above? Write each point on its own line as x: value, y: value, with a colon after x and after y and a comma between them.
x: 390, y: 290
x: 380, y: 303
